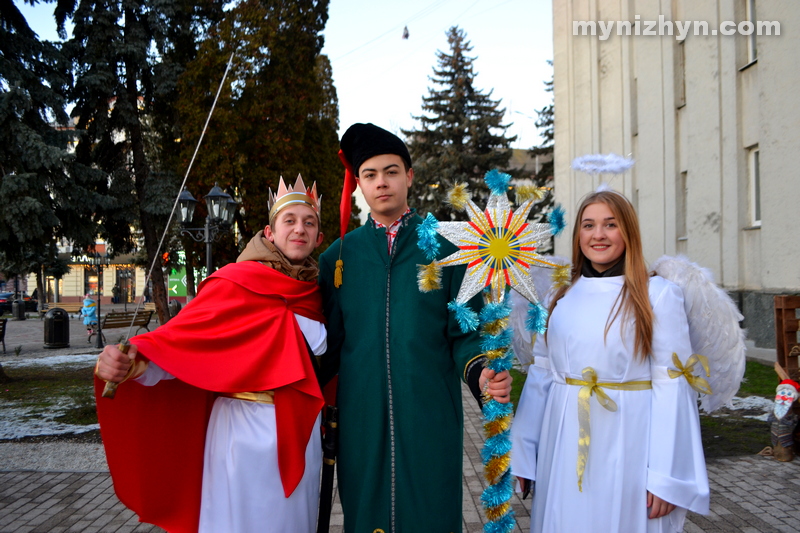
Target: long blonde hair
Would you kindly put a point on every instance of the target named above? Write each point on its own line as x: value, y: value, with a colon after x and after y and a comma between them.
x: 634, y: 299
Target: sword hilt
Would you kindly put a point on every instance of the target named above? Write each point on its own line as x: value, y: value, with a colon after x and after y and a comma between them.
x: 110, y: 389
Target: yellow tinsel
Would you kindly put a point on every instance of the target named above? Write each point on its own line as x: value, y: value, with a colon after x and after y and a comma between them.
x: 496, y: 427
x: 457, y: 196
x: 561, y: 276
x: 496, y: 467
x: 526, y: 192
x: 429, y: 277
x: 496, y: 513
x: 496, y: 327
x: 495, y: 354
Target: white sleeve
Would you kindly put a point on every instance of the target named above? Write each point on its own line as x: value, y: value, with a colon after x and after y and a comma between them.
x: 676, y: 465
x: 527, y: 426
x: 152, y: 375
x: 315, y: 333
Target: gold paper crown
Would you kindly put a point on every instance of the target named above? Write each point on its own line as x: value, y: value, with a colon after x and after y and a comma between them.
x: 299, y: 194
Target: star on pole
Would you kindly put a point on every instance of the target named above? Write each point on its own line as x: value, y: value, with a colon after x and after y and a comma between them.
x: 498, y: 246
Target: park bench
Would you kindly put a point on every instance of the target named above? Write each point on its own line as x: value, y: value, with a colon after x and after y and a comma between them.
x: 72, y: 308
x: 123, y: 320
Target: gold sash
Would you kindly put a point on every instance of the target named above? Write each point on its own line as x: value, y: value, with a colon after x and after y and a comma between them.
x: 589, y: 385
x: 266, y: 396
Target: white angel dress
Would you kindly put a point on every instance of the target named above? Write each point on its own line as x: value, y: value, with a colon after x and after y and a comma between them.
x: 651, y: 442
x: 242, y: 490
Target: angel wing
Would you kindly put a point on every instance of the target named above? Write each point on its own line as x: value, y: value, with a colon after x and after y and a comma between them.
x: 522, y: 341
x: 713, y: 326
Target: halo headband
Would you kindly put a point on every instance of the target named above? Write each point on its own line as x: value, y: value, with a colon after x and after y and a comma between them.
x: 298, y: 194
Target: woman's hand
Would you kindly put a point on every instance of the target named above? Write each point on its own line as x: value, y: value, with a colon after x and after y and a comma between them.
x: 658, y: 507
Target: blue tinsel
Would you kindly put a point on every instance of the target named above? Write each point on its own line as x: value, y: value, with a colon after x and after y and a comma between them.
x: 557, y: 219
x: 501, y: 363
x: 493, y: 410
x: 499, y: 493
x: 426, y: 232
x: 537, y: 318
x: 466, y: 317
x: 497, y: 181
x: 494, y: 311
x: 504, y: 524
x: 495, y: 342
x: 496, y: 445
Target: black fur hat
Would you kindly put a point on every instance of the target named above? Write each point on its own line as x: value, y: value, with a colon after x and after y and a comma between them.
x: 363, y: 141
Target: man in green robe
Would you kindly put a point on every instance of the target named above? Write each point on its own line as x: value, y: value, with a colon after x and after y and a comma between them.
x: 400, y: 354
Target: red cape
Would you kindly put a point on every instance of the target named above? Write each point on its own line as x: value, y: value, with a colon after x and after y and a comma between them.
x: 239, y: 334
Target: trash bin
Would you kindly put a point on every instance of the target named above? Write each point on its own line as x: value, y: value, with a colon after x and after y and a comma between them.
x: 56, y: 328
x: 174, y: 306
x: 18, y: 310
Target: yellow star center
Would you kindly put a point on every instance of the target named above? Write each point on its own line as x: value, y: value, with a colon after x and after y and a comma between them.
x: 499, y: 249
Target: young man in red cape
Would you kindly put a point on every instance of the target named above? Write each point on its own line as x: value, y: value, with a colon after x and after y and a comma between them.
x: 215, y: 426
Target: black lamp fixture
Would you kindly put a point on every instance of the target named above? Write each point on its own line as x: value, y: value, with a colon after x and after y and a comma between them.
x: 221, y: 210
x: 99, y: 260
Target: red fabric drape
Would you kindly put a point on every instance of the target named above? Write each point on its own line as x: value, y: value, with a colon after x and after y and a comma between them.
x: 239, y: 334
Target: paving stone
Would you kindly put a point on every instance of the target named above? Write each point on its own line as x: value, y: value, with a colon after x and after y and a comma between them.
x: 750, y: 494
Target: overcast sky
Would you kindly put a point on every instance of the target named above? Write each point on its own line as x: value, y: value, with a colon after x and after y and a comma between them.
x: 381, y: 77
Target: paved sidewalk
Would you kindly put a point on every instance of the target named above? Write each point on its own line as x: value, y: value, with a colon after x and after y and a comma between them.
x: 27, y: 336
x: 749, y: 494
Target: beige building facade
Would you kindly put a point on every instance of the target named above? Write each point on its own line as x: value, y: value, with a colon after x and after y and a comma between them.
x: 712, y: 121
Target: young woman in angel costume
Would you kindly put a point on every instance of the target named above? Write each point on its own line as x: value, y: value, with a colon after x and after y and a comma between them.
x: 609, y: 436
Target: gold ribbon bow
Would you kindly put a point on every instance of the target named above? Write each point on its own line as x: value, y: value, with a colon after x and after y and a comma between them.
x: 697, y: 383
x: 589, y: 385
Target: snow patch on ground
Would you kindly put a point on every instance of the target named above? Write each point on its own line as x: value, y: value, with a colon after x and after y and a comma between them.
x: 53, y: 360
x: 17, y: 421
x: 752, y: 403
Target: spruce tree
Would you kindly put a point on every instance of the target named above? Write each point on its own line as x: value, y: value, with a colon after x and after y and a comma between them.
x: 48, y: 195
x: 121, y: 94
x: 461, y: 134
x: 277, y: 116
x: 544, y: 177
x: 546, y: 124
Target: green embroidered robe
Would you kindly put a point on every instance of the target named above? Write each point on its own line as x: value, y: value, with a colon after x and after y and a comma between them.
x: 401, y: 356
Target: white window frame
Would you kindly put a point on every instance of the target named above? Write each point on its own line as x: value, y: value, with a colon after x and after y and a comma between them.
x: 752, y: 48
x: 682, y: 207
x: 754, y: 180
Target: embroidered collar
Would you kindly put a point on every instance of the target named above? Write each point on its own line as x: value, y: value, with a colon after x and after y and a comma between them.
x: 392, y: 229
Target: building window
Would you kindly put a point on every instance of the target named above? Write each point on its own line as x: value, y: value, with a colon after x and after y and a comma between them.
x: 751, y: 39
x: 680, y: 74
x: 755, y: 186
x: 681, y: 198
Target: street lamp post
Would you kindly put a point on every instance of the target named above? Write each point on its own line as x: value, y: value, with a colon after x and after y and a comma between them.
x: 99, y: 260
x: 221, y: 209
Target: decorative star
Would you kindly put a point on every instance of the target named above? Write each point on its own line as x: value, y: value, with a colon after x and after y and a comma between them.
x: 498, y: 246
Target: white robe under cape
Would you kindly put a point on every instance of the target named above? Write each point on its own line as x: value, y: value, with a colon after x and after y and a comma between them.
x: 242, y: 490
x: 651, y: 443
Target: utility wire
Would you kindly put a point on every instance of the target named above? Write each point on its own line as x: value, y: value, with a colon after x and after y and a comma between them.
x: 424, y: 12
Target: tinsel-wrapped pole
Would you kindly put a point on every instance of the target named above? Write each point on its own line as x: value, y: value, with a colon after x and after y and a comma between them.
x: 498, y: 245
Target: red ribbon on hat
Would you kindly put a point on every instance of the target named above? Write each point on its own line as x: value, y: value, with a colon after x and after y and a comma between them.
x: 348, y: 189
